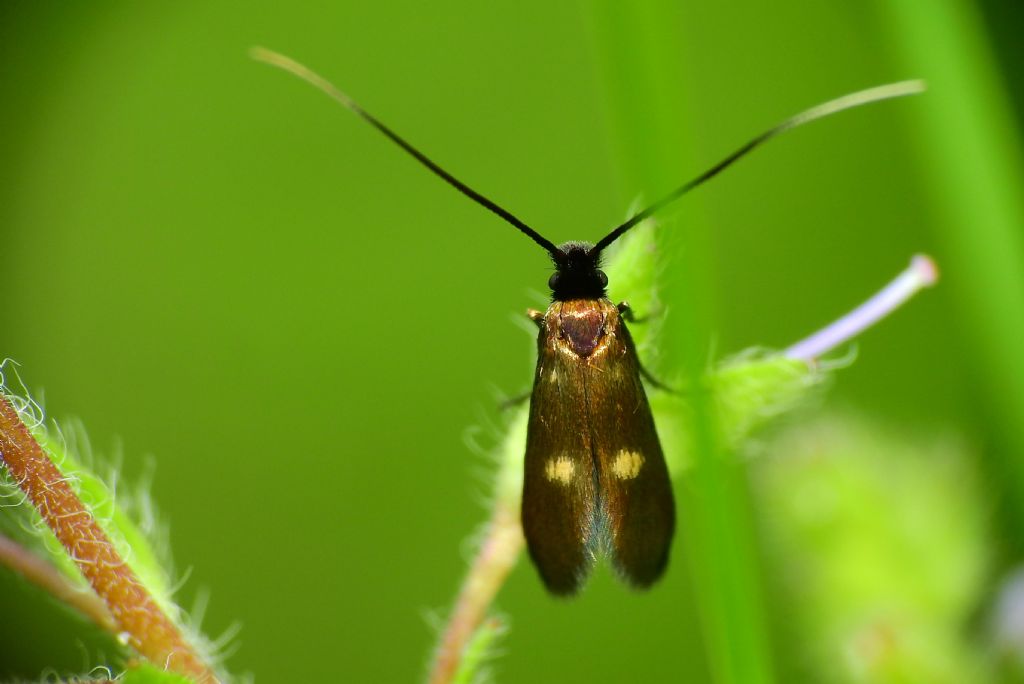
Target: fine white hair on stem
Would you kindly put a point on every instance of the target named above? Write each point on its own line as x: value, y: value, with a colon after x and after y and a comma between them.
x: 921, y: 273
x: 14, y: 390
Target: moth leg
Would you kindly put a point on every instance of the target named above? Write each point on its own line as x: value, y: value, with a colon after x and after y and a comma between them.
x: 626, y: 311
x: 518, y: 400
x: 513, y: 402
x: 655, y: 382
x: 627, y: 314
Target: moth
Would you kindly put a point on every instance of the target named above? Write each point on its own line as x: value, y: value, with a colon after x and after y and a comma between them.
x: 595, y: 481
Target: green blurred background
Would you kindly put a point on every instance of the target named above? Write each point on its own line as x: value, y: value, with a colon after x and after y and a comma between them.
x: 223, y: 273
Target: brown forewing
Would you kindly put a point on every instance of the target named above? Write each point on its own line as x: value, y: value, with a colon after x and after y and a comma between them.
x: 595, y: 478
x: 635, y: 490
x: 559, y: 482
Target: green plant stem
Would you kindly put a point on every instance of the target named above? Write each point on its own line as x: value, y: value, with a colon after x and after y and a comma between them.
x: 972, y: 165
x: 639, y: 44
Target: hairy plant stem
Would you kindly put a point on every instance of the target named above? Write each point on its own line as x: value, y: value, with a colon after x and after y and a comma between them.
x: 137, y: 616
x: 497, y: 555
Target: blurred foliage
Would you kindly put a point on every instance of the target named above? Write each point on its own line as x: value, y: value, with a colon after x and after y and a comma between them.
x: 881, y: 547
x: 213, y: 265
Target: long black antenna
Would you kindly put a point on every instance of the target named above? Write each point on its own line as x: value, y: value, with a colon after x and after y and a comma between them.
x: 311, y: 77
x: 857, y: 99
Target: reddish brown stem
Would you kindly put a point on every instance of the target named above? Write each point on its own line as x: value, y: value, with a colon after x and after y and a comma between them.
x: 493, y: 562
x: 147, y: 627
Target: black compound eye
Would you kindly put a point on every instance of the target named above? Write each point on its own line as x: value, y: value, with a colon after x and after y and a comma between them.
x: 553, y: 281
x: 602, y: 278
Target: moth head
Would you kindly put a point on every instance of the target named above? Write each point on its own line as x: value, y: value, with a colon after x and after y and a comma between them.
x: 578, y: 273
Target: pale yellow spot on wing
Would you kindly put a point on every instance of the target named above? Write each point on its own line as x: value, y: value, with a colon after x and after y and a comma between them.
x: 627, y: 464
x: 560, y: 469
x: 553, y: 375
